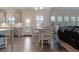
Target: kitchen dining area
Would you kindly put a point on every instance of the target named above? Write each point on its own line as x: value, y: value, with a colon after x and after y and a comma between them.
x: 39, y: 29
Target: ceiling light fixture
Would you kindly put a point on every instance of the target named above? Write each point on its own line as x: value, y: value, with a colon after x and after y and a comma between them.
x: 41, y: 7
x: 36, y: 8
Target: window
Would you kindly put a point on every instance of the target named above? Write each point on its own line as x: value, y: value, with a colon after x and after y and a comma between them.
x: 10, y: 20
x: 66, y: 18
x: 77, y: 18
x: 27, y: 25
x: 53, y: 21
x: 78, y: 21
x: 39, y: 21
x: 59, y: 21
x: 53, y: 18
x: 59, y: 18
x: 66, y: 21
x: 39, y: 18
x: 72, y: 21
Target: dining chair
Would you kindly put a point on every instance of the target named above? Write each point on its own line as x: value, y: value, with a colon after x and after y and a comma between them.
x: 46, y: 36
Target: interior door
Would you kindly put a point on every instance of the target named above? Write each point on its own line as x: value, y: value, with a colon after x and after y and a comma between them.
x: 26, y: 26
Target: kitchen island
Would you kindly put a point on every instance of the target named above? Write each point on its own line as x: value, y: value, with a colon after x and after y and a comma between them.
x: 3, y: 41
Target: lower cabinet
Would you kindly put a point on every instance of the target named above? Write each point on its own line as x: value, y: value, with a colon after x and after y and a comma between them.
x: 2, y: 40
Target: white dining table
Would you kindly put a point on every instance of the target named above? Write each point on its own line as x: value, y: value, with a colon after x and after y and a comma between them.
x: 41, y: 30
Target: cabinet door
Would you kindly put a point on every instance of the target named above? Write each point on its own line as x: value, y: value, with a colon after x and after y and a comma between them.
x: 1, y: 38
x: 1, y: 41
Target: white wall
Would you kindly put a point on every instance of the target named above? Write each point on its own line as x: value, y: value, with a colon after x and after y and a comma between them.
x: 31, y: 14
x: 27, y: 15
x: 64, y: 12
x: 1, y: 17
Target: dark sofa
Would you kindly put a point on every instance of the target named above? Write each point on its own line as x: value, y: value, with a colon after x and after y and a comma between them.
x: 70, y: 35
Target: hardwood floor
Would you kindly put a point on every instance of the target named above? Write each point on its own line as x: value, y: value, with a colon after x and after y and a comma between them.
x: 29, y: 44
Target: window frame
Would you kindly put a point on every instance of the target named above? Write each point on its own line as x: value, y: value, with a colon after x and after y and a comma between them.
x: 40, y: 22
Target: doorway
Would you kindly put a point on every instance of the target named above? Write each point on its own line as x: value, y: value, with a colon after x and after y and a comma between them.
x: 26, y: 26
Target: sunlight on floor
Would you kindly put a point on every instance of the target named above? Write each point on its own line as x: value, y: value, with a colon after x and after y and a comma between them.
x: 28, y: 44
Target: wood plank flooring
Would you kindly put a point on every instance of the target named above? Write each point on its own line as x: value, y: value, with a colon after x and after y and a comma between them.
x: 29, y: 44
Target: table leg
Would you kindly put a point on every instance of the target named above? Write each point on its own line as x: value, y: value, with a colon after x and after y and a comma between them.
x: 12, y: 33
